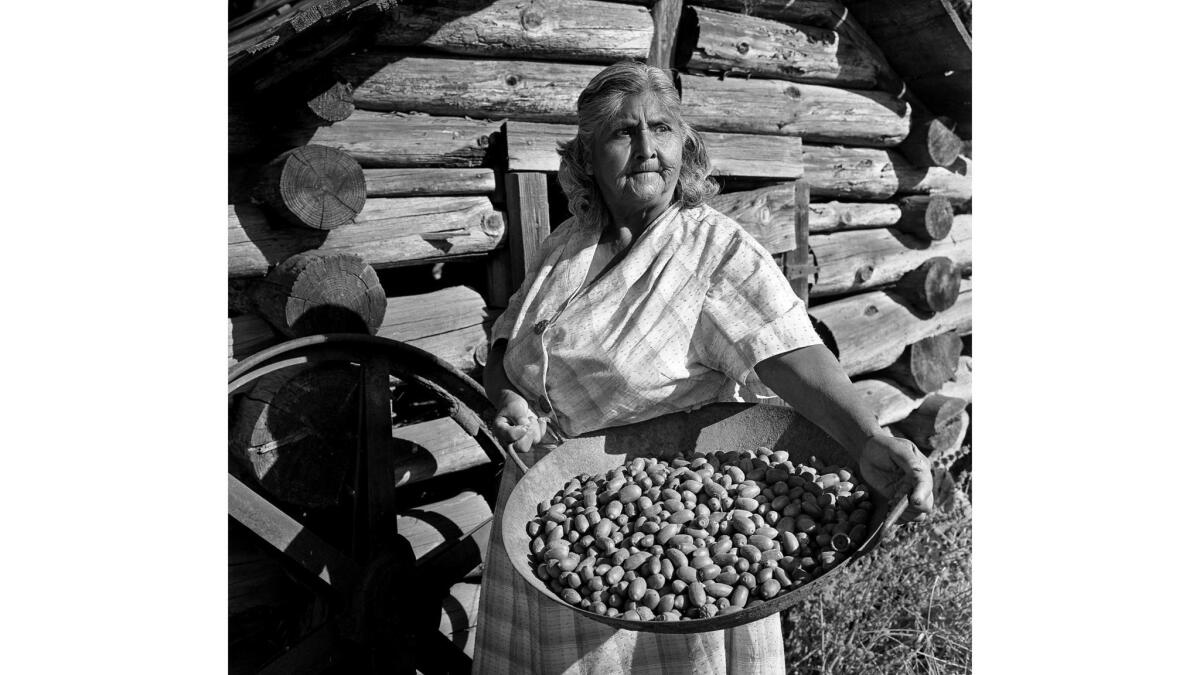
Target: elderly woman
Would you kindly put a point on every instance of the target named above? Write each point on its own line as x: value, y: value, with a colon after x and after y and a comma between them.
x: 648, y: 302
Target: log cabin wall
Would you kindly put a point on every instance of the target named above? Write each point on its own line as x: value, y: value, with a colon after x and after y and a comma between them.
x: 433, y: 182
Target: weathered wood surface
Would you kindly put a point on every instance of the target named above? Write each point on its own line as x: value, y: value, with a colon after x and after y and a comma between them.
x: 931, y: 287
x: 892, y: 402
x: 321, y: 292
x: 862, y: 259
x: 295, y: 431
x: 388, y: 233
x: 434, y: 448
x: 666, y: 15
x: 838, y: 172
x: 253, y: 36
x: 829, y: 14
x: 929, y: 217
x: 313, y: 186
x: 773, y: 206
x: 727, y: 42
x: 383, y: 140
x: 568, y: 30
x: 431, y: 528
x: 460, y: 614
x: 869, y: 331
x: 932, y: 142
x: 450, y: 323
x: 797, y: 263
x: 935, y: 425
x: 333, y: 103
x: 927, y: 364
x: 532, y: 147
x: 821, y: 13
x: 429, y: 182
x: 540, y: 91
x: 528, y: 203
x: 763, y: 214
x: 818, y: 113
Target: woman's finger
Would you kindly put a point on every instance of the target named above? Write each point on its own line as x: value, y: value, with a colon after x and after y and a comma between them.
x: 920, y: 498
x: 507, y: 432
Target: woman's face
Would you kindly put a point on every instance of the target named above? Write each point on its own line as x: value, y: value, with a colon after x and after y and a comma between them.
x: 637, y: 157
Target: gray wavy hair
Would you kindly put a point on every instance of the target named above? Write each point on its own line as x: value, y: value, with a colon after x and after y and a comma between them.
x: 600, y: 102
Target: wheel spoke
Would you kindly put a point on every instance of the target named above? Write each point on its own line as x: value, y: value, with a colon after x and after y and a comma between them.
x: 375, y: 440
x: 287, y: 535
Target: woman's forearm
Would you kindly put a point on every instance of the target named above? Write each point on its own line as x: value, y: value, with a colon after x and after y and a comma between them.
x: 812, y: 381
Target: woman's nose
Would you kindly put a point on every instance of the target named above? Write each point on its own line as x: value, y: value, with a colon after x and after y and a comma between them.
x: 643, y: 145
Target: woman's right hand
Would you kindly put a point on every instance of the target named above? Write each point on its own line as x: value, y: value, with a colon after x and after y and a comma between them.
x: 516, y: 424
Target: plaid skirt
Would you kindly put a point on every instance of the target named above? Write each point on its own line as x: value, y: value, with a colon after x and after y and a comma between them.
x: 519, y: 631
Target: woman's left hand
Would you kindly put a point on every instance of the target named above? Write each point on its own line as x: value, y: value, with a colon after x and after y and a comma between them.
x: 896, y: 468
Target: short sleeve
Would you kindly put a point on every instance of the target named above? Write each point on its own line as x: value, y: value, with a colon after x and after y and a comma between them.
x: 750, y: 312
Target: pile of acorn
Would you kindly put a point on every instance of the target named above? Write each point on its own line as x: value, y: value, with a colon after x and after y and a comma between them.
x: 695, y: 537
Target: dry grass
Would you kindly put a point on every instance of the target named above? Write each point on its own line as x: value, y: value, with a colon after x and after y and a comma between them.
x: 904, y: 608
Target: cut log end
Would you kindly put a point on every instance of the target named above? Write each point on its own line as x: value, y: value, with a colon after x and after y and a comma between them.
x: 942, y: 144
x: 928, y: 217
x: 935, y: 425
x: 929, y: 363
x: 314, y: 186
x: 333, y: 104
x: 322, y: 292
x: 932, y: 287
x: 294, y: 432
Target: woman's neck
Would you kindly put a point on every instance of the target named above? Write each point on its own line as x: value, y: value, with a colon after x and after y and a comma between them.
x: 624, y: 228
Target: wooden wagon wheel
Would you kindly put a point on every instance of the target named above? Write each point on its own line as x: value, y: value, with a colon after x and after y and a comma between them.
x: 377, y: 593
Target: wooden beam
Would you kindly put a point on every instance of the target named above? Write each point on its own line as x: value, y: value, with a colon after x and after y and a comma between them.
x: 449, y: 323
x: 532, y: 147
x: 666, y: 27
x: 727, y: 42
x: 429, y: 182
x: 892, y: 403
x: 376, y: 462
x: 818, y: 113
x: 388, y: 233
x: 434, y: 448
x: 798, y: 260
x: 566, y: 30
x: 374, y: 139
x: 837, y: 172
x: 434, y: 528
x: 528, y: 201
x: 869, y: 331
x: 858, y: 260
x: 539, y: 91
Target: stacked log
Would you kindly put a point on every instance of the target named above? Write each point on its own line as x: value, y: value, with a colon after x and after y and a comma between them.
x: 740, y: 44
x: 869, y: 331
x: 321, y: 292
x: 450, y: 323
x: 892, y: 402
x: 567, y: 30
x: 387, y: 233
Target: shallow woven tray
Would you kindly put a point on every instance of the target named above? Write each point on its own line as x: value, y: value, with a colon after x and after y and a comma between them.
x: 722, y: 426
